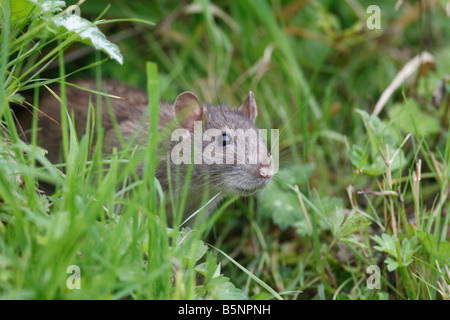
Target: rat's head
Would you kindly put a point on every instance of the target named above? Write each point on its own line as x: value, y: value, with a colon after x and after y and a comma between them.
x: 233, y: 154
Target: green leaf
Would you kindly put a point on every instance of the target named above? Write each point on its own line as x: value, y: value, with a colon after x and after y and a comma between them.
x: 295, y: 174
x: 440, y: 250
x: 377, y: 131
x: 220, y: 288
x: 280, y: 202
x: 251, y: 275
x: 360, y: 160
x: 354, y: 241
x: 281, y: 205
x: 391, y: 264
x: 9, y: 163
x: 20, y: 10
x: 217, y: 286
x: 387, y: 243
x: 336, y: 221
x: 210, y: 269
x: 189, y: 249
x: 444, y: 250
x: 327, y: 205
x: 409, y: 117
x: 370, y: 160
x: 343, y: 227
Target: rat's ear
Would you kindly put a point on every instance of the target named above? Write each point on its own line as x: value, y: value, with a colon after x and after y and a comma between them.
x: 248, y: 108
x: 188, y: 109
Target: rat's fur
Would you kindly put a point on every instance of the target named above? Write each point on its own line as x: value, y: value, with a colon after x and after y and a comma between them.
x: 131, y: 114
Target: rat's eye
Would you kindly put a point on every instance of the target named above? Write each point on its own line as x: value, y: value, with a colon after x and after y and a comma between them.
x: 226, y: 140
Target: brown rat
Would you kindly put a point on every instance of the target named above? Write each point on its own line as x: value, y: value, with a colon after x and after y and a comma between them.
x: 245, y: 171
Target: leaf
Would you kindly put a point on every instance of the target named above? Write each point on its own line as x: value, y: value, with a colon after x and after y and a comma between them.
x: 280, y: 202
x: 220, y: 288
x: 217, y: 286
x: 354, y: 241
x: 444, y: 251
x: 343, y: 227
x: 188, y: 248
x: 72, y: 24
x: 20, y: 10
x: 9, y: 163
x: 327, y: 205
x: 391, y: 264
x: 360, y: 160
x: 439, y: 250
x: 409, y: 117
x: 295, y: 175
x: 281, y: 205
x: 210, y: 269
x: 46, y: 6
x: 336, y: 221
x: 377, y: 130
x: 388, y: 243
x: 371, y: 161
x: 251, y: 275
x: 89, y: 33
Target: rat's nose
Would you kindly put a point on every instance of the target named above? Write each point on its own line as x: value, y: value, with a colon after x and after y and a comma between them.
x: 265, y: 172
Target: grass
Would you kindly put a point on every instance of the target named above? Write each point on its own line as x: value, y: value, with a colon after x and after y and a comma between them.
x: 354, y: 190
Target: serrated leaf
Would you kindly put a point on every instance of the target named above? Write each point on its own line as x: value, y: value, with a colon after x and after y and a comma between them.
x: 220, y: 288
x: 217, y: 286
x: 210, y: 269
x: 187, y: 247
x: 345, y: 226
x: 391, y: 264
x: 387, y: 243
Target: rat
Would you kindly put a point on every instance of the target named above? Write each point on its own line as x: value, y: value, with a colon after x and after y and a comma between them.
x: 226, y: 169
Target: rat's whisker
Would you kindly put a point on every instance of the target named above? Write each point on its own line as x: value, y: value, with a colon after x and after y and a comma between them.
x: 281, y: 131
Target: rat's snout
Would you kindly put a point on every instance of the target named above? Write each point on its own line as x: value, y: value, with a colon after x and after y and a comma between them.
x: 265, y: 172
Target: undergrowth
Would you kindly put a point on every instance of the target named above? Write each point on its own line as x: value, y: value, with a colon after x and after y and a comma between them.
x: 358, y: 210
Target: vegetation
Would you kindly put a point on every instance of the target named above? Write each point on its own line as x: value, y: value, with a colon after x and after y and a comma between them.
x: 362, y: 186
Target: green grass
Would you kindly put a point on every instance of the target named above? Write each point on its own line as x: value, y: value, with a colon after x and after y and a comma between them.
x: 337, y: 206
